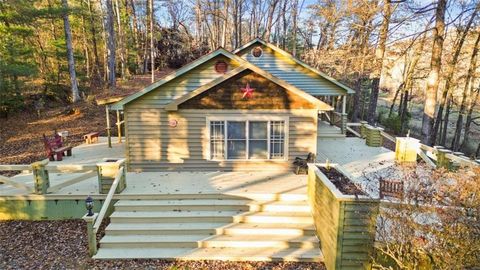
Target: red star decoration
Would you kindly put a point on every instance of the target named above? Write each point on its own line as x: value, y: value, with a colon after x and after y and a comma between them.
x: 247, y: 91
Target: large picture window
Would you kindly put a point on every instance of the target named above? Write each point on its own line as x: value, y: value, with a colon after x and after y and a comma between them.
x: 247, y: 139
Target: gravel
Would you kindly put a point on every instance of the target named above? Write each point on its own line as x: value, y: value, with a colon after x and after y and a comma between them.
x: 63, y: 245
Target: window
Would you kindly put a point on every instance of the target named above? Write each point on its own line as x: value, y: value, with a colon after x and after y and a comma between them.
x: 247, y: 139
x: 217, y: 139
x: 236, y: 140
x: 277, y: 139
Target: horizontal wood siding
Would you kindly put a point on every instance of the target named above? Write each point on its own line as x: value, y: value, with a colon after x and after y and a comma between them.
x: 229, y: 95
x: 291, y: 72
x: 153, y: 145
x: 357, y: 239
x: 181, y: 85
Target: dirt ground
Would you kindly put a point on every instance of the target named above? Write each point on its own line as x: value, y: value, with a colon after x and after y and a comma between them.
x: 63, y: 245
x: 21, y: 140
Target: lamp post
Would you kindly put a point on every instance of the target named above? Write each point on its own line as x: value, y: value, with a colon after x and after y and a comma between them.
x: 89, y: 206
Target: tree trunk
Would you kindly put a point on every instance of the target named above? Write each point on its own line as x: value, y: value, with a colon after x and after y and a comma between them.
x: 404, y: 111
x: 121, y: 42
x: 152, y: 54
x: 433, y: 76
x: 448, y: 105
x: 468, y: 122
x: 450, y: 72
x: 111, y: 47
x: 466, y: 97
x: 271, y: 12
x: 356, y: 98
x: 380, y: 53
x: 295, y: 26
x: 71, y: 60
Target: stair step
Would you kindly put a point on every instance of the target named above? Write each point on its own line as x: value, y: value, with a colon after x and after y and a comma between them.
x: 211, y: 216
x: 230, y: 254
x: 286, y: 197
x: 205, y: 241
x: 209, y: 229
x: 218, y: 205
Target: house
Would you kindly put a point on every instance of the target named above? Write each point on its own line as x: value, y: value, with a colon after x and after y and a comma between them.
x: 255, y: 108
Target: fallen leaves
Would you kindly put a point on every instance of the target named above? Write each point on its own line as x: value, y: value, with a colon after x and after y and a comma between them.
x: 63, y: 245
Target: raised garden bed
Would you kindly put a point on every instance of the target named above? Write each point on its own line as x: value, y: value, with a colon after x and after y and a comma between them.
x: 345, y: 217
x: 341, y: 182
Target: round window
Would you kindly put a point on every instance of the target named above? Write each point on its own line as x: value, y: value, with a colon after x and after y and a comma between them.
x: 257, y: 51
x: 221, y: 66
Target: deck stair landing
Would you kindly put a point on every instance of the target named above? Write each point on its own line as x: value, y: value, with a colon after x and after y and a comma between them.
x: 236, y: 229
x: 325, y: 130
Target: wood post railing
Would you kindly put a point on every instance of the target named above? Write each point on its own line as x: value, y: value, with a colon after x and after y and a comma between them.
x: 94, y: 222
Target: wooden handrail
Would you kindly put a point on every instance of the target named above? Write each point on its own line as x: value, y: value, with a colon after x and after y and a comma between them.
x: 15, y: 167
x: 70, y: 168
x: 108, y: 200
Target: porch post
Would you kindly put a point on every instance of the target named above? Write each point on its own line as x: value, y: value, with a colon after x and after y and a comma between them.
x: 107, y: 111
x: 332, y: 113
x: 344, y: 115
x: 119, y: 127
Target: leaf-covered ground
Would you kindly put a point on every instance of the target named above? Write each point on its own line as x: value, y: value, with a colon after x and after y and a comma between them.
x: 63, y: 245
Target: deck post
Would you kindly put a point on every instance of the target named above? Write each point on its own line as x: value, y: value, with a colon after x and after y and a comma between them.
x: 442, y: 160
x: 92, y: 238
x: 107, y: 111
x: 119, y: 127
x: 40, y: 177
x: 344, y: 115
x: 332, y: 113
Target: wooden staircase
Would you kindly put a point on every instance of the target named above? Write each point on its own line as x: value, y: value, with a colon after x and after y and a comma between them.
x: 236, y: 229
x: 325, y: 130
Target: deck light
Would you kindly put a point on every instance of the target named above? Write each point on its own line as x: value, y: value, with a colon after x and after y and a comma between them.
x: 89, y: 206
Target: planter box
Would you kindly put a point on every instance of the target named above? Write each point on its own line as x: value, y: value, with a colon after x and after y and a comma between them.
x: 345, y: 224
x: 406, y: 149
x: 107, y: 170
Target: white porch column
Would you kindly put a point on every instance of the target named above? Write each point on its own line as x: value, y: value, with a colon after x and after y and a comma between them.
x: 344, y: 115
x: 107, y: 111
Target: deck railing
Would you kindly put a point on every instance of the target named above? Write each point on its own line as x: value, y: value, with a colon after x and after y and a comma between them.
x: 108, y: 200
x: 40, y: 173
x: 13, y: 183
x: 433, y: 156
x: 95, y: 221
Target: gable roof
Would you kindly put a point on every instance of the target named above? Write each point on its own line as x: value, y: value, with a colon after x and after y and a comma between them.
x: 344, y: 89
x: 173, y: 106
x: 183, y: 70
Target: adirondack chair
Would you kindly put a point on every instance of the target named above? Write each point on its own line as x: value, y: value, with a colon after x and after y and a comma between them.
x: 301, y: 166
x: 54, y: 147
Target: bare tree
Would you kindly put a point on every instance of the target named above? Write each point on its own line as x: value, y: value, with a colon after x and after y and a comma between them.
x: 71, y: 60
x: 467, y: 95
x: 449, y: 75
x: 152, y: 53
x: 111, y: 46
x: 377, y: 71
x: 434, y: 74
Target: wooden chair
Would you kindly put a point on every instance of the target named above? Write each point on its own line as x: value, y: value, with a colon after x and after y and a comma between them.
x: 54, y: 147
x: 391, y: 188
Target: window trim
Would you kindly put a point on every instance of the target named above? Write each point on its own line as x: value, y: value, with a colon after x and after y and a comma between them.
x: 245, y: 118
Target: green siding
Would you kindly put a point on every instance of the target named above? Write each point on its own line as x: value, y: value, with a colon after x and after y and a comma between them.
x: 24, y: 209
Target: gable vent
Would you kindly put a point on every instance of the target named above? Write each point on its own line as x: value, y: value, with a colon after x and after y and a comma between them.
x: 221, y: 67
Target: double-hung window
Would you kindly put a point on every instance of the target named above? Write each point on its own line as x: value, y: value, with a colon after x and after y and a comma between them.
x: 247, y: 139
